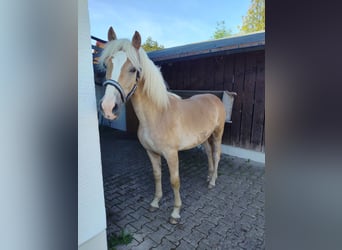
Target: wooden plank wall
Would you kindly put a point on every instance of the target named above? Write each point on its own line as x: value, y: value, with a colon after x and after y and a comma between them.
x: 243, y: 73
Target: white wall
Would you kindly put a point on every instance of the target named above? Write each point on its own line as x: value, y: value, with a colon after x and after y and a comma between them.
x: 91, y: 206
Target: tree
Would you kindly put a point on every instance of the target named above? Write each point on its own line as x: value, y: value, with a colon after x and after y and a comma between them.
x: 221, y: 31
x: 151, y: 45
x: 255, y: 18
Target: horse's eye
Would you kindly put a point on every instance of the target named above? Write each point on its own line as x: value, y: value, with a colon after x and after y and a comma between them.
x: 133, y: 70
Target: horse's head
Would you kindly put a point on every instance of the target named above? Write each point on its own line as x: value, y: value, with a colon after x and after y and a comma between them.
x: 121, y: 61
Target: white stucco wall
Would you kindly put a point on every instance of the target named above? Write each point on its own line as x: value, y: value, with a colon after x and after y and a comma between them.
x: 91, y: 206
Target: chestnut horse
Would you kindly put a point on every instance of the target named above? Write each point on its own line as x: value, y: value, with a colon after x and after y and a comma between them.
x: 167, y: 123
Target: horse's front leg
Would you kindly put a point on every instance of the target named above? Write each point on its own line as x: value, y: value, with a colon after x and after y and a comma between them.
x: 172, y: 162
x: 156, y: 165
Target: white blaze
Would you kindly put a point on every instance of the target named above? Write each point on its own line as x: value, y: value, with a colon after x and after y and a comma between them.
x: 111, y: 93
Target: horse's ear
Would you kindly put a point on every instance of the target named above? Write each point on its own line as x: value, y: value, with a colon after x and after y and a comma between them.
x: 136, y: 40
x: 111, y: 34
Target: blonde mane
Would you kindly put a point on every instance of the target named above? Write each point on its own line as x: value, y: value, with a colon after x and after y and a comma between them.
x: 154, y: 85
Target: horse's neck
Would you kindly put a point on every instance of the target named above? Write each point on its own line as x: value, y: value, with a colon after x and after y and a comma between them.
x: 144, y: 108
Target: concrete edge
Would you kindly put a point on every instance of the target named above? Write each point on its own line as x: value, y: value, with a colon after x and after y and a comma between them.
x: 98, y: 242
x: 243, y: 153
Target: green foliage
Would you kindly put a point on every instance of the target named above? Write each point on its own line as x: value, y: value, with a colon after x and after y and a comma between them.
x: 221, y: 31
x: 121, y: 239
x: 151, y: 45
x: 255, y: 18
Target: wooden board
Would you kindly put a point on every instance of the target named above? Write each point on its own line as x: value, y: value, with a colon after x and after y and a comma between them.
x: 239, y: 74
x: 218, y: 73
x: 259, y: 104
x: 247, y: 97
x: 228, y: 77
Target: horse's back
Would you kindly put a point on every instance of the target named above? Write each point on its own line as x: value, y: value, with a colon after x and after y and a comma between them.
x: 211, y: 104
x: 213, y: 99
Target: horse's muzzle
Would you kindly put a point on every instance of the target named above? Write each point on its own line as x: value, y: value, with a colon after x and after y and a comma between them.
x: 110, y: 116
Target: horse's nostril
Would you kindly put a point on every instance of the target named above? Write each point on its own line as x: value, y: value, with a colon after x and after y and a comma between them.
x: 100, y: 104
x: 115, y: 108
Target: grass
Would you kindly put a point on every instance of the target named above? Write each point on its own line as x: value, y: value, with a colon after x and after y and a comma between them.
x: 121, y: 239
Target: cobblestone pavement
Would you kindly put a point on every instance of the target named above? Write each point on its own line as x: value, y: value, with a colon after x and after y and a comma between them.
x: 230, y: 216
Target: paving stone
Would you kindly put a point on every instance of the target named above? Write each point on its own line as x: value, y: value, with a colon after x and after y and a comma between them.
x: 126, y: 211
x: 255, y: 233
x: 207, y: 209
x: 186, y: 214
x: 261, y: 244
x: 134, y: 243
x: 152, y: 215
x: 139, y: 236
x: 158, y: 235
x: 125, y: 221
x: 215, y: 238
x: 184, y: 227
x: 113, y: 229
x: 202, y: 245
x: 193, y: 222
x: 122, y: 247
x: 200, y: 216
x: 183, y: 245
x: 176, y: 235
x: 221, y: 229
x: 145, y: 230
x: 257, y: 204
x: 232, y: 241
x: 138, y: 212
x: 260, y: 221
x: 168, y: 226
x: 250, y: 244
x: 194, y: 237
x: 130, y: 229
x: 228, y: 244
x: 205, y: 227
x: 237, y: 210
x: 214, y: 218
x: 166, y: 244
x: 140, y: 222
x: 146, y: 244
x: 154, y: 224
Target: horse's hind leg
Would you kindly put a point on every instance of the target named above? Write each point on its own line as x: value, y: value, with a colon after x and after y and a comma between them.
x: 209, y: 153
x: 173, y: 164
x: 216, y: 139
x: 156, y: 165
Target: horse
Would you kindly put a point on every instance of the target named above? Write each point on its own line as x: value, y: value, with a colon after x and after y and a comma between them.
x: 167, y: 123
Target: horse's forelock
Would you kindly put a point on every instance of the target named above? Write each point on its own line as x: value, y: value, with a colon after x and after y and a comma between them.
x: 112, y: 47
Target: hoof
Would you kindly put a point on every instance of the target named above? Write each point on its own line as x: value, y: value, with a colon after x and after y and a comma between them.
x: 174, y: 221
x: 153, y: 209
x: 210, y: 186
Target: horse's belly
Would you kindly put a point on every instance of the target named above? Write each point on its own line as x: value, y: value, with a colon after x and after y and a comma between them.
x: 191, y: 140
x: 183, y: 139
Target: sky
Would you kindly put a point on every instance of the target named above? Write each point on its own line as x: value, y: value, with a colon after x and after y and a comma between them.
x: 169, y: 22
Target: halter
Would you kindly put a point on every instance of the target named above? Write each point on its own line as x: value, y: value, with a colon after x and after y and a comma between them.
x: 117, y: 85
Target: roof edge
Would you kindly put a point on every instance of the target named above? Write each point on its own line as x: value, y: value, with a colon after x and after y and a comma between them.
x: 229, y: 45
